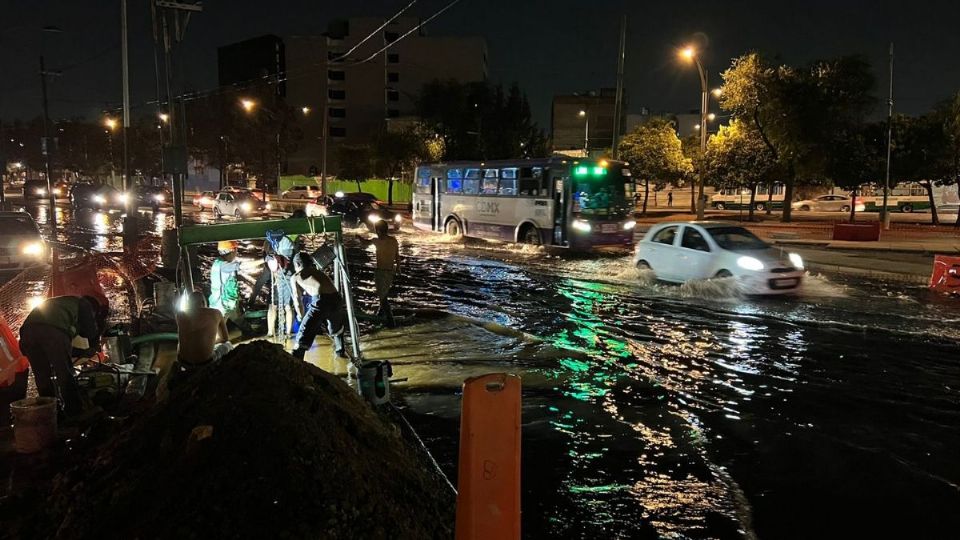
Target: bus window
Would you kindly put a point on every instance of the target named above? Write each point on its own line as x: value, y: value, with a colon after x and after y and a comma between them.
x: 423, y: 180
x: 471, y: 182
x: 489, y: 186
x: 529, y: 185
x: 508, y: 181
x: 454, y: 181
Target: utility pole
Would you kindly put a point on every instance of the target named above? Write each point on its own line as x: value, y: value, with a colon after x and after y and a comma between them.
x: 130, y: 228
x: 618, y: 105
x: 46, y: 147
x: 885, y: 213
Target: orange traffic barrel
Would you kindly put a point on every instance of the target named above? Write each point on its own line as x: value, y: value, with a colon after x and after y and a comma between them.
x: 12, y: 361
x: 488, y: 478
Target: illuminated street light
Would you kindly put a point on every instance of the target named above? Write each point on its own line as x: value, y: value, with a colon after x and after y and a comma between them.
x: 586, y: 132
x: 581, y: 114
x: 717, y: 92
x: 696, y: 126
x: 711, y: 117
x: 688, y: 53
x: 305, y: 110
x: 164, y: 117
x: 248, y: 104
x: 111, y: 123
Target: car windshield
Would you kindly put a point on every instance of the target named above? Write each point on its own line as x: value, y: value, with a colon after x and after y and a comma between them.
x: 736, y: 239
x: 12, y: 226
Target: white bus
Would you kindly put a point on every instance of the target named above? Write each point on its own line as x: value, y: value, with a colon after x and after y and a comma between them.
x: 738, y: 198
x: 552, y: 201
x: 903, y: 197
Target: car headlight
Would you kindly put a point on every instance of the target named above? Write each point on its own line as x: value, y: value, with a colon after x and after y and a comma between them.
x: 158, y: 197
x: 374, y: 218
x: 56, y: 191
x: 581, y: 225
x: 628, y: 226
x: 750, y: 263
x: 246, y: 207
x: 41, y: 191
x: 796, y: 260
x: 266, y: 206
x: 34, y: 249
x: 99, y: 199
x: 398, y: 218
x: 122, y: 198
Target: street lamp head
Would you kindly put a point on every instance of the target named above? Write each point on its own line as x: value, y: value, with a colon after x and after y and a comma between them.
x: 111, y: 123
x: 696, y: 126
x: 711, y: 117
x: 582, y: 113
x: 248, y: 104
x: 688, y: 53
x: 164, y: 117
x: 717, y: 92
x: 305, y: 110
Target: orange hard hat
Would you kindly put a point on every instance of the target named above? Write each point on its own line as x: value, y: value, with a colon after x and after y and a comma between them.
x: 226, y: 246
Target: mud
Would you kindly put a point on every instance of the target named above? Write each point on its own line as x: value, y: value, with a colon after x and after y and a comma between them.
x: 258, y: 446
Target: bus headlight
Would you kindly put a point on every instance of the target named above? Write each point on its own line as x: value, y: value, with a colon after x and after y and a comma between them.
x: 34, y: 249
x: 750, y: 263
x: 581, y: 225
x: 628, y: 226
x: 796, y: 260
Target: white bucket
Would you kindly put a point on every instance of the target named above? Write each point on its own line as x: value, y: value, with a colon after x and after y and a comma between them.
x: 34, y: 424
x: 374, y: 379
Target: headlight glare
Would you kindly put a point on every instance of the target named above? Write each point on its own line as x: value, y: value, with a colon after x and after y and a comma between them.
x: 796, y: 260
x: 750, y: 263
x: 581, y: 225
x: 32, y: 248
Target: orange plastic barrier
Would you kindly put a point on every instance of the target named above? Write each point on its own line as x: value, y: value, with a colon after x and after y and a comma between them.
x: 80, y: 280
x: 946, y: 274
x: 12, y: 361
x: 488, y: 479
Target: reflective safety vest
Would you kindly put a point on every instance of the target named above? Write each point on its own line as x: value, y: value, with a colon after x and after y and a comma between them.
x: 224, y: 290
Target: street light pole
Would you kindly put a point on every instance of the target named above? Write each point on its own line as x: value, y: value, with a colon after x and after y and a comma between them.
x: 585, y: 113
x: 884, y: 212
x: 704, y: 106
x: 46, y: 148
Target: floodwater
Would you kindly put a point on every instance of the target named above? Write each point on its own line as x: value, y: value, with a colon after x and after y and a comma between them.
x: 657, y: 411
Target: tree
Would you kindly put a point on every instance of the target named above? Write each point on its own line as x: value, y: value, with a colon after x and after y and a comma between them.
x: 855, y: 158
x: 356, y: 162
x: 654, y: 153
x: 737, y: 156
x: 398, y: 152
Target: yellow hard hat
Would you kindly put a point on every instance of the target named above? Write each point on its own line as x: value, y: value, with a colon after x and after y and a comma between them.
x: 226, y: 246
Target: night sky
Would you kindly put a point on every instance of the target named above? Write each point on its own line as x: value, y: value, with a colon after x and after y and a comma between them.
x: 549, y: 47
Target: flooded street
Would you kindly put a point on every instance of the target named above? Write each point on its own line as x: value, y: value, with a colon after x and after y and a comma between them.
x: 657, y: 411
x: 690, y: 412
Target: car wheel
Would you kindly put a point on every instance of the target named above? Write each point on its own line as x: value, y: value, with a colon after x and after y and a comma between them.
x: 530, y: 235
x: 643, y: 265
x: 452, y: 228
x: 805, y: 208
x: 760, y: 207
x: 723, y: 274
x: 845, y: 208
x: 906, y: 209
x: 236, y: 213
x: 216, y: 213
x: 720, y: 206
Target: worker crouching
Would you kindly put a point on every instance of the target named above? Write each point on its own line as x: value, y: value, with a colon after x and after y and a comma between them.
x: 326, y: 306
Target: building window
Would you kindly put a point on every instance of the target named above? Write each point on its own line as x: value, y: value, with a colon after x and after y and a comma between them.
x: 334, y: 93
x: 338, y: 112
x: 393, y: 113
x: 390, y: 37
x: 393, y: 77
x: 393, y: 58
x: 338, y: 131
x: 333, y: 55
x: 393, y: 95
x: 336, y: 74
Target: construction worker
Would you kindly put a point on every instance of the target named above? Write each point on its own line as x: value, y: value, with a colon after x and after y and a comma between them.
x: 388, y: 264
x: 202, y: 332
x: 49, y: 337
x: 281, y: 249
x: 326, y: 306
x: 224, y: 287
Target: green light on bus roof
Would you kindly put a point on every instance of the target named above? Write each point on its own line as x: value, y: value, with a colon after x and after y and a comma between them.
x: 581, y: 171
x: 599, y: 171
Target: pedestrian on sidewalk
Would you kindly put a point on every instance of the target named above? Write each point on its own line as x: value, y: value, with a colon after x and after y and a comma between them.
x: 388, y: 265
x: 326, y: 306
x: 670, y: 199
x: 49, y: 339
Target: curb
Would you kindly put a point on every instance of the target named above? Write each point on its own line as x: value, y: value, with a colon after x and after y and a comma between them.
x: 915, y: 279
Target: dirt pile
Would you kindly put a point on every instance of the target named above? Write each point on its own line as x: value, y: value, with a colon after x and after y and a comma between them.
x: 260, y: 445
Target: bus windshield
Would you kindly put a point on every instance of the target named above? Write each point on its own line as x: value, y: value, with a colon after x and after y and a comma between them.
x: 603, y: 194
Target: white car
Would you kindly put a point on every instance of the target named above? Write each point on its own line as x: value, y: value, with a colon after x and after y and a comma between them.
x: 301, y: 192
x: 239, y: 204
x: 827, y: 203
x: 683, y: 251
x: 21, y: 245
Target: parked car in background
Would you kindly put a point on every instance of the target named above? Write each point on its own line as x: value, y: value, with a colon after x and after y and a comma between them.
x: 685, y: 251
x: 96, y: 197
x: 827, y: 203
x: 204, y: 200
x: 21, y: 244
x: 302, y: 192
x: 34, y: 189
x: 240, y: 205
x: 355, y: 209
